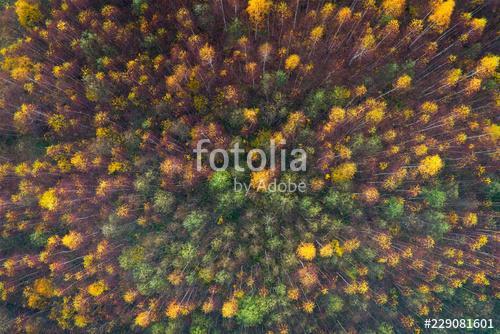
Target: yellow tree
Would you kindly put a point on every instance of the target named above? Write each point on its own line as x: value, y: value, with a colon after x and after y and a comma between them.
x: 258, y: 10
x: 143, y: 319
x: 393, y: 7
x: 229, y: 308
x: 430, y: 165
x: 403, y: 82
x: 48, y: 200
x: 441, y: 14
x: 344, y: 172
x: 292, y: 62
x: 265, y: 51
x: 28, y: 12
x: 72, y: 240
x: 306, y: 251
x: 207, y: 54
x: 487, y: 66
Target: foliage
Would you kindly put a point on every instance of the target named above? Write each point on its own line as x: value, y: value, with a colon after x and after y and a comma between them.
x: 28, y: 12
x: 108, y: 226
x: 258, y: 10
x: 306, y: 251
x: 194, y: 221
x: 253, y: 309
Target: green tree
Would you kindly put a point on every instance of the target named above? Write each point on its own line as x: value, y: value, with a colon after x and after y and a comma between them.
x: 253, y: 309
x: 435, y: 197
x: 393, y: 208
x: 385, y: 328
x: 164, y: 202
x: 220, y: 181
x: 334, y: 305
x: 194, y: 221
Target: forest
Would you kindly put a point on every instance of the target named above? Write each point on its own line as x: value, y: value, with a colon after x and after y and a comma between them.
x: 108, y: 226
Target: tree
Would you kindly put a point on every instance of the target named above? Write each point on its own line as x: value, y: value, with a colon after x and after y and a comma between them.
x: 258, y: 10
x: 253, y: 309
x: 229, y: 308
x: 163, y: 202
x: 97, y: 288
x: 335, y: 305
x: 435, y: 197
x: 292, y: 62
x: 403, y: 82
x: 72, y: 240
x: 28, y: 12
x: 194, y: 221
x: 344, y: 172
x: 306, y: 251
x: 207, y: 54
x: 49, y: 200
x: 441, y: 14
x: 385, y: 328
x: 430, y: 165
x: 394, y: 7
x: 394, y: 208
